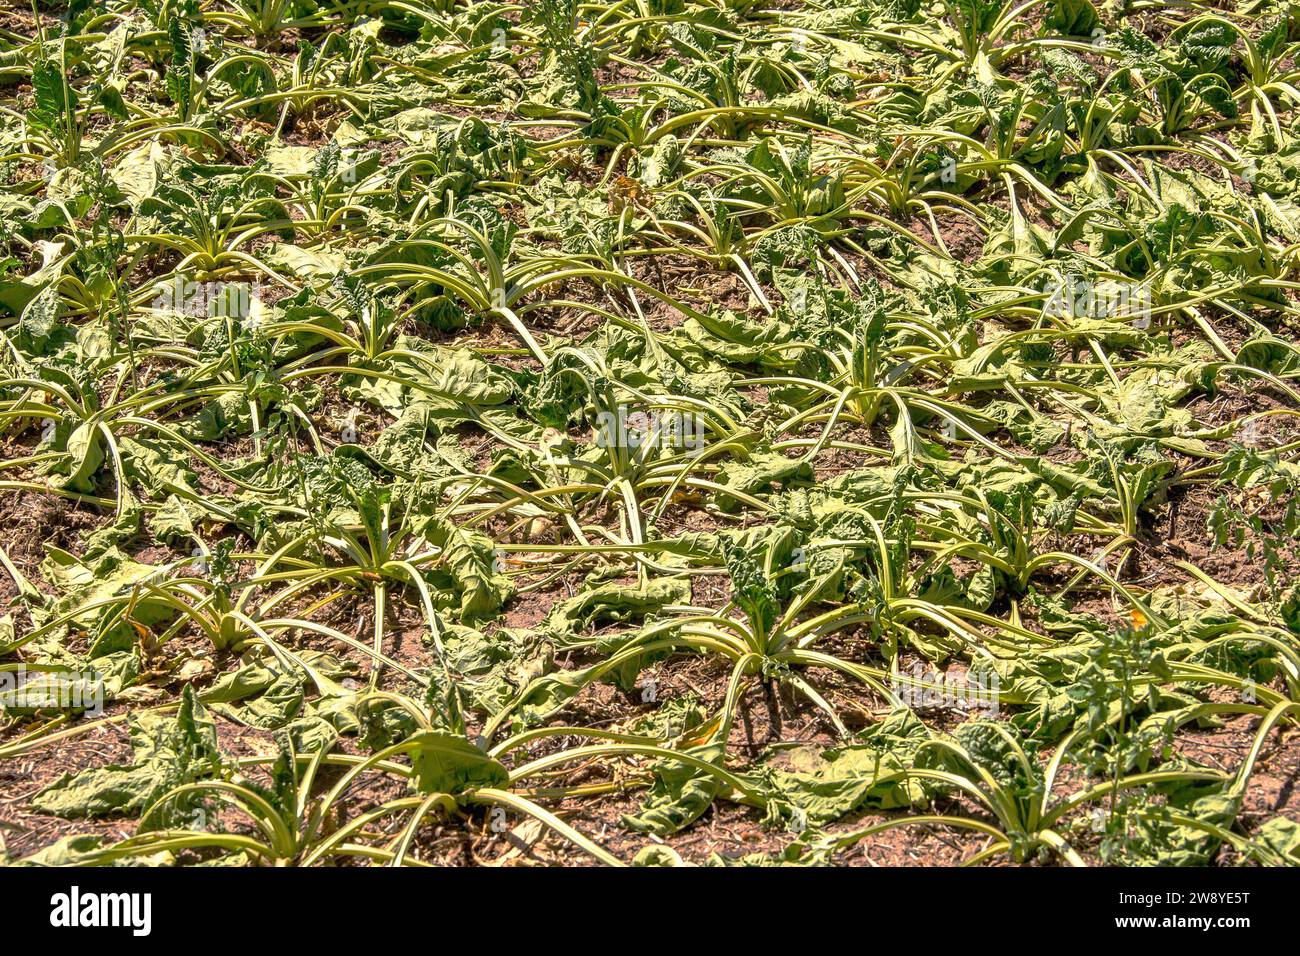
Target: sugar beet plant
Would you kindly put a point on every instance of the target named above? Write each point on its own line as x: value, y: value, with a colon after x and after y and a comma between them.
x: 461, y: 431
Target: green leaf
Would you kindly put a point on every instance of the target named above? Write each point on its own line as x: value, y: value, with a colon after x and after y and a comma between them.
x: 55, y: 100
x: 1076, y: 18
x: 822, y: 786
x: 614, y: 604
x: 167, y: 751
x: 469, y: 568
x: 679, y: 795
x: 447, y: 763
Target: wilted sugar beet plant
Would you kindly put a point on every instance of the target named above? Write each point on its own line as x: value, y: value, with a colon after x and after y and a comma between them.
x: 490, y: 432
